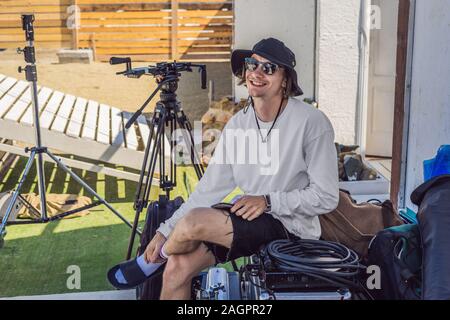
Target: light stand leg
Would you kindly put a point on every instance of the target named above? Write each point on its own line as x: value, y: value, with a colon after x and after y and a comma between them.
x: 40, y: 160
x: 16, y: 194
x: 87, y: 187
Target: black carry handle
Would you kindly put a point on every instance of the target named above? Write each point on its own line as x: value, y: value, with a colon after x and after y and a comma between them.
x: 203, y: 75
x: 202, y: 70
x: 118, y: 60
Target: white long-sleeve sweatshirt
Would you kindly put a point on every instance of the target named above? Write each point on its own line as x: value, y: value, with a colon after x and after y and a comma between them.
x: 297, y: 167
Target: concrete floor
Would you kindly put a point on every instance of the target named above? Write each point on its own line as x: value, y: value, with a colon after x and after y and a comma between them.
x: 98, y: 295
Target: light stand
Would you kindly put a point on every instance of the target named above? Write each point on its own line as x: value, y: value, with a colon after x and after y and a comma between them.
x: 38, y: 150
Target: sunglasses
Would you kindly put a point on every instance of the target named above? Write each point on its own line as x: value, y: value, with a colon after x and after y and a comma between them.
x: 269, y: 68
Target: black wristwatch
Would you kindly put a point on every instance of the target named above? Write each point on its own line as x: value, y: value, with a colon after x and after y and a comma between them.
x: 268, y: 203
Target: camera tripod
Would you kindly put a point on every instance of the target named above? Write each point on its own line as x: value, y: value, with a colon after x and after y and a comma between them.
x: 40, y: 216
x: 168, y: 115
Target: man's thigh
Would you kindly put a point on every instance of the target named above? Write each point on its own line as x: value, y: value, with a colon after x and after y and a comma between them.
x: 212, y: 225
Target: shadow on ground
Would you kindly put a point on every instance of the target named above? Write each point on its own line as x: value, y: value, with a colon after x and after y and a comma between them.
x: 39, y: 264
x: 58, y: 181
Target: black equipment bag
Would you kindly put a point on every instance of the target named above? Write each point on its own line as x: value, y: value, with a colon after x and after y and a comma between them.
x: 433, y: 199
x: 157, y: 212
x: 397, y: 252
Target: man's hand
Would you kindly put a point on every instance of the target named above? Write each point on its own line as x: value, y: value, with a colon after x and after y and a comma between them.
x: 151, y: 253
x: 249, y: 207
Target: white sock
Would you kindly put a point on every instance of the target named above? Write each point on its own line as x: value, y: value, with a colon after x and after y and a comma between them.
x: 163, y: 253
x: 147, y: 269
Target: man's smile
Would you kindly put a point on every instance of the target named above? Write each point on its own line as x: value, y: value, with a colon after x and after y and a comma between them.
x: 257, y: 83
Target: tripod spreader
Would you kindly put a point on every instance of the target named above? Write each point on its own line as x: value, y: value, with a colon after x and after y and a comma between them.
x: 36, y: 150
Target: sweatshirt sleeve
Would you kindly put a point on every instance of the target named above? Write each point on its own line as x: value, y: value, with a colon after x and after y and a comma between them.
x: 216, y: 183
x: 322, y: 194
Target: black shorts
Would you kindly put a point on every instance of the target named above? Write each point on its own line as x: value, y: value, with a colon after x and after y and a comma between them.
x: 249, y: 237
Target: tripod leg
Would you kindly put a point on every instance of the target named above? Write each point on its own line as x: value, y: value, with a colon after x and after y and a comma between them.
x: 144, y: 163
x: 16, y: 193
x: 89, y: 189
x: 155, y: 152
x: 189, y: 140
x: 138, y: 204
x: 141, y: 202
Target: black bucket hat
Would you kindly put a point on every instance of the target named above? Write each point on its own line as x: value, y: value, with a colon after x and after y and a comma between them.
x: 273, y: 50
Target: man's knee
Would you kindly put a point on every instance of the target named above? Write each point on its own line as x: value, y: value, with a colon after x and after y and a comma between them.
x: 192, y: 226
x: 178, y: 270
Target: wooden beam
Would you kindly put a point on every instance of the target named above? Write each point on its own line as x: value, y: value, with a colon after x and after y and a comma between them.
x: 211, y: 93
x: 93, y: 46
x: 399, y: 106
x: 75, y: 11
x: 174, y: 31
x: 72, y: 163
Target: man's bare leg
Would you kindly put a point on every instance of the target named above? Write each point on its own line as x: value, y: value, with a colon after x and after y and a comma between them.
x: 187, y: 253
x: 180, y: 270
x: 200, y: 224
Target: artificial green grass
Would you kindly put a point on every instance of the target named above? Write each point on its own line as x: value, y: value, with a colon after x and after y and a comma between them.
x: 35, y: 258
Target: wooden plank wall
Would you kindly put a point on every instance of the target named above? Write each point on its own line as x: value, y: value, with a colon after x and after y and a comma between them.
x: 50, y: 31
x: 146, y: 30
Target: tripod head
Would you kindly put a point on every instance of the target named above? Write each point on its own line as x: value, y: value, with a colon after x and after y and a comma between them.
x: 167, y: 75
x: 162, y: 71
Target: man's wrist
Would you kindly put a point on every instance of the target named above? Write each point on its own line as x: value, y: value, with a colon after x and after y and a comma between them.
x: 161, y: 235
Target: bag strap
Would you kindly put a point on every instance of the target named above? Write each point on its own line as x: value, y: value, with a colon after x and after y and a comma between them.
x: 387, y: 211
x: 348, y: 194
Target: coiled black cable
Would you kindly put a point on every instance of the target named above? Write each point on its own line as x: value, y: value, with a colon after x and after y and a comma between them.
x: 328, y: 261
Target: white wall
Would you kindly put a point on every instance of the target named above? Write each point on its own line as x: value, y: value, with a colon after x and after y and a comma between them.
x: 338, y: 61
x: 291, y: 21
x: 429, y: 125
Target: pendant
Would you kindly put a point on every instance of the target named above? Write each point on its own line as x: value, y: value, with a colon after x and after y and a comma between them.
x: 264, y: 140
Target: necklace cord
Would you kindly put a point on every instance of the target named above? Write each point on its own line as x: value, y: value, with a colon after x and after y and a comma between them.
x: 264, y: 140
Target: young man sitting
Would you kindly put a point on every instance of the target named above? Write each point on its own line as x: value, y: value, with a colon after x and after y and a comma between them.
x: 281, y: 199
